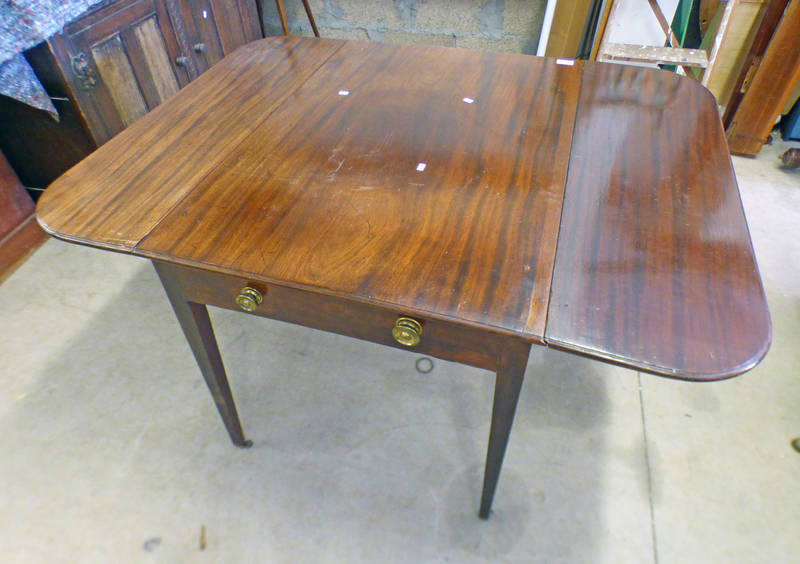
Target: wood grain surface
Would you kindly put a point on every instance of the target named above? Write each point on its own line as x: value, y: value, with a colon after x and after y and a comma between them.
x: 655, y: 269
x: 430, y: 181
x: 326, y: 192
x: 18, y: 245
x: 117, y: 195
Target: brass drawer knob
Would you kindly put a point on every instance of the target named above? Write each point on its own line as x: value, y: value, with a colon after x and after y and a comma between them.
x: 407, y: 331
x: 249, y: 299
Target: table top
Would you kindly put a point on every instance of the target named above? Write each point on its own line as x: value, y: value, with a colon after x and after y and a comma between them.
x: 587, y: 206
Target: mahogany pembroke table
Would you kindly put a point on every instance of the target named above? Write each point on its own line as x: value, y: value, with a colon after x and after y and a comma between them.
x: 463, y: 205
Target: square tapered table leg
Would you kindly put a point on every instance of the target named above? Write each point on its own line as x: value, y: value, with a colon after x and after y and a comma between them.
x: 196, y: 325
x: 508, y: 382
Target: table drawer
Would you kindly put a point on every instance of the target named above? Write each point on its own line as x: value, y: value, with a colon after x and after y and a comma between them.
x: 441, y: 339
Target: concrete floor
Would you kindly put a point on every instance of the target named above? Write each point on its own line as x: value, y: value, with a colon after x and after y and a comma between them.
x: 111, y: 449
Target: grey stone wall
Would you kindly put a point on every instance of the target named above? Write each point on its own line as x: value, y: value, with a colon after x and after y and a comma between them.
x: 490, y: 25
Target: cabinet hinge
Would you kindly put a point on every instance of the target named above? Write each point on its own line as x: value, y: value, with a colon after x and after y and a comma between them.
x: 83, y: 71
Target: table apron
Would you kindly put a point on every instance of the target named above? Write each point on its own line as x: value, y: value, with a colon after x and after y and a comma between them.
x: 441, y: 339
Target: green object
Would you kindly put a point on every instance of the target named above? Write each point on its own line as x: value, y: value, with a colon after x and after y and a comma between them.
x: 680, y: 23
x: 708, y: 38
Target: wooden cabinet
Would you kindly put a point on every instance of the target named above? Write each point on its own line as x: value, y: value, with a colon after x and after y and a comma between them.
x: 214, y: 28
x: 120, y: 61
x: 111, y: 66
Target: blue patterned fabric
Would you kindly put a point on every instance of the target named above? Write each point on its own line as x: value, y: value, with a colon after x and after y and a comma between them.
x: 23, y: 24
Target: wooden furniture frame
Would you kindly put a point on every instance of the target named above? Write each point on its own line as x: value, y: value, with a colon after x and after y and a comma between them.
x: 487, y: 201
x: 109, y: 67
x: 19, y: 233
x: 753, y: 114
x: 772, y: 15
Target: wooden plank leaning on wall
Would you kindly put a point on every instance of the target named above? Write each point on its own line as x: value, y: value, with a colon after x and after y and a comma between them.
x: 569, y: 20
x: 772, y: 84
x: 744, y: 23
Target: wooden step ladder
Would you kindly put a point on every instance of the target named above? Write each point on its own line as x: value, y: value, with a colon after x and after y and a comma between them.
x: 701, y: 59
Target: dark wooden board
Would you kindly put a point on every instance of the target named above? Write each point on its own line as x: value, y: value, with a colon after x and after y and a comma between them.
x: 15, y: 204
x: 655, y: 269
x: 19, y: 233
x: 17, y: 245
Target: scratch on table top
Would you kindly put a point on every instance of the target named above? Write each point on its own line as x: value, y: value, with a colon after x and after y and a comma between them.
x: 332, y: 174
